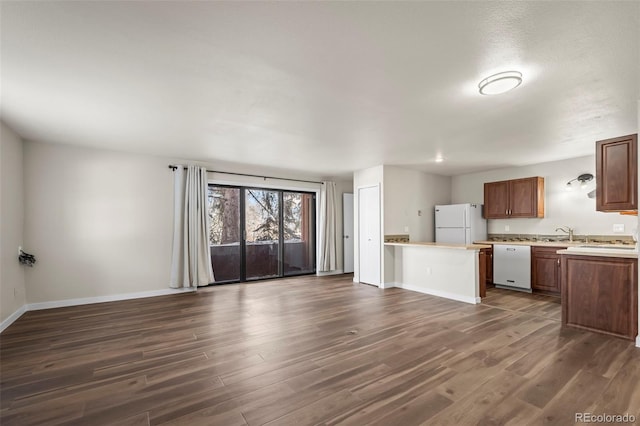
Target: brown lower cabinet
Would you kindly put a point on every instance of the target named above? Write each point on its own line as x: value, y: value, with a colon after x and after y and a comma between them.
x: 489, y: 266
x: 485, y: 260
x: 545, y: 269
x: 600, y: 294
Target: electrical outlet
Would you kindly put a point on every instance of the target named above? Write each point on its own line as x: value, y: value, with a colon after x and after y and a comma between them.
x: 406, y: 229
x: 428, y: 271
x: 19, y: 250
x: 618, y: 227
x: 506, y: 227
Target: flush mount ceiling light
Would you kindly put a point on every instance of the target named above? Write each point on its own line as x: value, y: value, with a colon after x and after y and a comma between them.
x: 439, y: 159
x: 500, y: 83
x: 583, y: 179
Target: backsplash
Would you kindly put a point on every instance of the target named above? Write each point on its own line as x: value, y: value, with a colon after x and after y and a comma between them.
x: 609, y: 239
x: 400, y: 238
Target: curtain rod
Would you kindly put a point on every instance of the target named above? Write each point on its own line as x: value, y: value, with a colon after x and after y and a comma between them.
x: 173, y: 167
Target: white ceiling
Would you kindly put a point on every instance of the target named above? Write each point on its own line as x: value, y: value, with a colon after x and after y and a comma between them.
x: 324, y: 88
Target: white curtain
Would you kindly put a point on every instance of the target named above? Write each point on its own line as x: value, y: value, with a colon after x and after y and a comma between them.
x: 191, y: 260
x: 328, y: 238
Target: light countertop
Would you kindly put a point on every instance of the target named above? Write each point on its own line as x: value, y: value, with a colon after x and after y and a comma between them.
x: 441, y: 245
x: 533, y: 243
x: 611, y: 250
x: 561, y: 244
x: 605, y: 252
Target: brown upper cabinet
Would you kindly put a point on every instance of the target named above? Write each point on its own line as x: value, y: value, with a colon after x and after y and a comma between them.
x: 514, y: 198
x: 617, y: 174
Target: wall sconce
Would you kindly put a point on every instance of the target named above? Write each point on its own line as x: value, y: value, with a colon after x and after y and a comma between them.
x: 583, y: 179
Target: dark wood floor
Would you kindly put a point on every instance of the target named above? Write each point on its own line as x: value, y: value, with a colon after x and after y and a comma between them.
x: 307, y: 351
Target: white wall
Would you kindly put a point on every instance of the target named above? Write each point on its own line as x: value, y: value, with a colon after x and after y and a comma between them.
x: 98, y: 221
x: 362, y: 178
x: 12, y: 280
x: 407, y: 192
x: 562, y: 207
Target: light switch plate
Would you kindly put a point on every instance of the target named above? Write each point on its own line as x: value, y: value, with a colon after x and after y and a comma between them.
x: 406, y: 229
x: 618, y: 227
x: 506, y: 227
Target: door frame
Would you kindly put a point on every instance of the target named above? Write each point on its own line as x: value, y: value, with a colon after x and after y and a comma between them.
x: 345, y: 195
x: 242, y: 187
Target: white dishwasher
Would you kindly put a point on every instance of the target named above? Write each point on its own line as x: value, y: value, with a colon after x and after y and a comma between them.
x: 512, y: 267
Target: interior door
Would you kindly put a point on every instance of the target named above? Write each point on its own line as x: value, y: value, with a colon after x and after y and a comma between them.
x: 369, y: 235
x: 347, y: 240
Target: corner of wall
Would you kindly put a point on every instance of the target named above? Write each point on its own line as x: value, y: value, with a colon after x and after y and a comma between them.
x: 12, y: 275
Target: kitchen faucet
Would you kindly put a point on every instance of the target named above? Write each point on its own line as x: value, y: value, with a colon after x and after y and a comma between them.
x: 568, y: 231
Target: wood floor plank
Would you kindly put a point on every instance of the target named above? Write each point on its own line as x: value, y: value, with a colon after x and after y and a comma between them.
x: 511, y: 411
x: 226, y: 413
x: 578, y: 396
x: 310, y: 350
x: 561, y: 370
x: 622, y: 394
x: 141, y: 419
x: 473, y: 406
x: 318, y: 411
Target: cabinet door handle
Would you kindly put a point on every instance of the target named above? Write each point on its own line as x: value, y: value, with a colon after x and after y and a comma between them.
x: 506, y: 212
x: 558, y: 262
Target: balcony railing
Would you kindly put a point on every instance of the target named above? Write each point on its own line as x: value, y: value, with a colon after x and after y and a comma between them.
x: 262, y: 259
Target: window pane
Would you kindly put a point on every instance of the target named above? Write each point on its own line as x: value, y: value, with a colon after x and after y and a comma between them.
x: 299, y: 231
x: 224, y: 232
x: 262, y: 229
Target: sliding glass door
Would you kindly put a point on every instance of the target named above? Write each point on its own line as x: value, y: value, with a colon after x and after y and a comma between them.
x: 262, y: 233
x: 224, y: 233
x: 259, y: 233
x: 299, y: 233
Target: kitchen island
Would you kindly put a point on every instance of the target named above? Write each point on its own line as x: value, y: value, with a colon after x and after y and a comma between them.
x: 600, y: 290
x: 445, y: 270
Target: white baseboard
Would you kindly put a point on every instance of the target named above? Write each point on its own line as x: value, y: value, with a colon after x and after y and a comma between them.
x: 11, y: 318
x: 87, y: 301
x: 439, y: 293
x: 103, y: 299
x: 388, y: 285
x: 325, y: 273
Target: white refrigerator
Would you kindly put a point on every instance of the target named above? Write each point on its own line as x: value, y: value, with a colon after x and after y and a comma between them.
x: 460, y: 223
